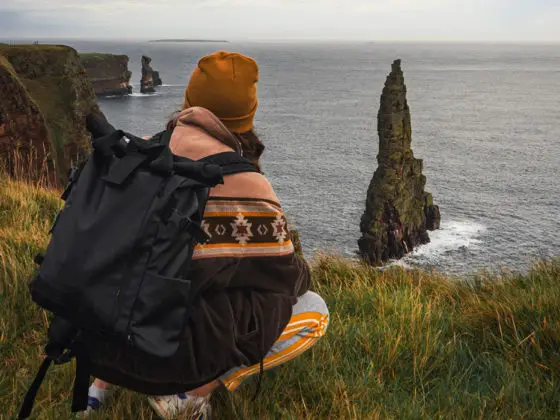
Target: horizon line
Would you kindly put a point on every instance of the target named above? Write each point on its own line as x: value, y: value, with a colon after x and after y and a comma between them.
x: 291, y: 40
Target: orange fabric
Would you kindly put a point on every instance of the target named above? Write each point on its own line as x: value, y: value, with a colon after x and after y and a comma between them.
x: 314, y: 323
x: 226, y: 84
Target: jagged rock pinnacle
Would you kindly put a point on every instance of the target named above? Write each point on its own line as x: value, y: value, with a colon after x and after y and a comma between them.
x: 395, y: 219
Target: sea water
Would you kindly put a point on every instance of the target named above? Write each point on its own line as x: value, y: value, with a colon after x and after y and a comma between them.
x: 485, y: 120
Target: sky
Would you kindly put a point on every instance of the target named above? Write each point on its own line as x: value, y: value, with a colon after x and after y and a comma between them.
x: 344, y: 20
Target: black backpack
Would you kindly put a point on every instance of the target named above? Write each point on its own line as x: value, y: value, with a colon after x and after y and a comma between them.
x: 115, y: 270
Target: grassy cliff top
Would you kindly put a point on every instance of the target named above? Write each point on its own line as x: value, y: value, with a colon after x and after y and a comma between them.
x: 400, y: 344
x: 46, y: 71
x: 22, y: 99
x: 44, y: 57
x: 57, y: 82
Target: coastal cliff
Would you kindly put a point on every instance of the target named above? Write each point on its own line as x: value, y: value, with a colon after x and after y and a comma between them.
x: 108, y: 73
x: 398, y: 210
x: 45, y: 95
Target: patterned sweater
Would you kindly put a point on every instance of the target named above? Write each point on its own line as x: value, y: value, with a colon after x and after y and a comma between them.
x: 252, y: 278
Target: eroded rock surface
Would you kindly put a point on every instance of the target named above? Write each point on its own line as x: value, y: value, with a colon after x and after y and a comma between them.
x: 108, y: 73
x: 45, y: 95
x: 398, y: 211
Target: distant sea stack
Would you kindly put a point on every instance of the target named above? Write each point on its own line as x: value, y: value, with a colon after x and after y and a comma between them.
x: 398, y: 210
x: 45, y: 95
x: 108, y: 73
x: 150, y: 78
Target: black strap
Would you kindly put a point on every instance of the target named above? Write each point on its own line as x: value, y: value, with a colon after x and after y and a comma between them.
x: 81, y: 382
x: 29, y: 399
x: 231, y: 163
x: 39, y: 258
x: 73, y: 175
x: 124, y: 167
x: 105, y: 144
x: 97, y: 125
x: 165, y: 138
x: 204, y: 172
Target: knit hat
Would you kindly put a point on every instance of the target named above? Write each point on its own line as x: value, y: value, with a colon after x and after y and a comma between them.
x: 226, y: 84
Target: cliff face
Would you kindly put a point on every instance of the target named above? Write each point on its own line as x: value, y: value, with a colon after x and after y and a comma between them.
x: 398, y: 210
x: 108, y: 73
x: 150, y: 78
x: 22, y: 128
x: 45, y: 95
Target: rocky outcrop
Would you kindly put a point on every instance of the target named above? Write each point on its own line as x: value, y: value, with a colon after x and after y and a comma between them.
x: 156, y: 79
x: 150, y: 78
x: 108, y: 73
x: 45, y: 95
x: 398, y: 210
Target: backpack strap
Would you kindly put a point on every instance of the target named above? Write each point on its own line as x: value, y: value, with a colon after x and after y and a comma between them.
x: 61, y: 348
x: 231, y: 163
x: 29, y: 399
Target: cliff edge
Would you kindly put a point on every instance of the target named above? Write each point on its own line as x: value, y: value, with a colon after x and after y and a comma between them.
x: 45, y: 95
x: 398, y: 210
x: 108, y: 73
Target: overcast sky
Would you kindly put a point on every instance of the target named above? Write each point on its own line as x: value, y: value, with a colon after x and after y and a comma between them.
x: 421, y: 20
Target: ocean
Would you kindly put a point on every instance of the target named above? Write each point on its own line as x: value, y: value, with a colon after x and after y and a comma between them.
x: 485, y: 120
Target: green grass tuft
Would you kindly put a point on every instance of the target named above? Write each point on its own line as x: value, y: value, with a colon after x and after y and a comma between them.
x: 400, y: 344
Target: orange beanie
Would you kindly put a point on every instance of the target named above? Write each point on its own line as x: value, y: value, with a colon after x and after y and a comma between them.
x: 226, y: 84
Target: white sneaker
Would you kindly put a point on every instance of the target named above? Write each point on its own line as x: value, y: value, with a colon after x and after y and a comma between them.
x: 171, y: 406
x: 97, y: 398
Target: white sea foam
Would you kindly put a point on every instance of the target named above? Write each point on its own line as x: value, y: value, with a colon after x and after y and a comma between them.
x: 454, y: 235
x: 142, y: 95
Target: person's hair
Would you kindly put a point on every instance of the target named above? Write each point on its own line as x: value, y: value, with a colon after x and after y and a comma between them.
x: 251, y: 145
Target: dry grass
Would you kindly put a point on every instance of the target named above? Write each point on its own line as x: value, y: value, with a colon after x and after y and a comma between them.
x: 400, y: 344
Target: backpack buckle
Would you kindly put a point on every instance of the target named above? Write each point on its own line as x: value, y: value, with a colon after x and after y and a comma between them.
x: 65, y: 357
x: 195, y: 230
x: 59, y: 355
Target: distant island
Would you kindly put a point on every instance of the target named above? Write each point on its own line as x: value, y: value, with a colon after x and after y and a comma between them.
x: 188, y: 40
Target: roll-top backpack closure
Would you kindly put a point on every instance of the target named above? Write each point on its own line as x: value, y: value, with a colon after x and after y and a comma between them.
x: 132, y: 152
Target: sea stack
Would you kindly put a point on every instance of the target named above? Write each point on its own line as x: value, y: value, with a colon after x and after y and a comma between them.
x: 398, y: 210
x: 149, y: 80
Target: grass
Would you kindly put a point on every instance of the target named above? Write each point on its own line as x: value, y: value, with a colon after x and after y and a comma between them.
x: 400, y: 344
